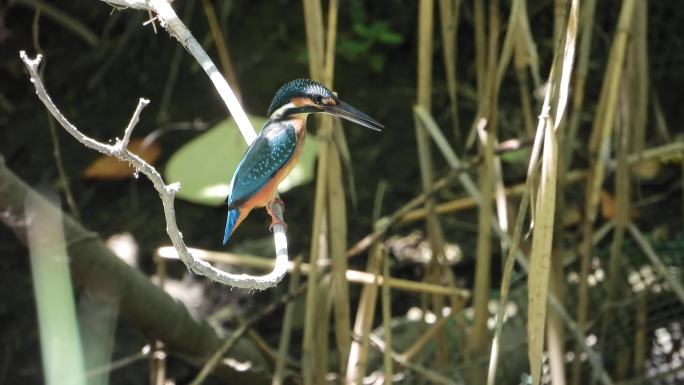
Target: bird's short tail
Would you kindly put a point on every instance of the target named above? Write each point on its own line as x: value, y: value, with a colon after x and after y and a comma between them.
x: 231, y: 222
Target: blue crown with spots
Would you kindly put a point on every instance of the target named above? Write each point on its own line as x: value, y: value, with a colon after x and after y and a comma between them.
x: 300, y: 88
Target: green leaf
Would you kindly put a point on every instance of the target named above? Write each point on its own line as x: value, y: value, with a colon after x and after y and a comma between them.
x: 352, y: 49
x: 205, y: 165
x: 377, y: 62
x: 361, y: 29
x: 391, y: 38
x: 520, y: 156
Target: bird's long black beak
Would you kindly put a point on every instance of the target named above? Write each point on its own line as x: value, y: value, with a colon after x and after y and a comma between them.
x: 344, y: 110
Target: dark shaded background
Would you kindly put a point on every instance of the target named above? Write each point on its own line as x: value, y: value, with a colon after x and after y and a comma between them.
x: 98, y: 87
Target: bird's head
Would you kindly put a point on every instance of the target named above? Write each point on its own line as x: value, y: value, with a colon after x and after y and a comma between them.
x: 305, y: 96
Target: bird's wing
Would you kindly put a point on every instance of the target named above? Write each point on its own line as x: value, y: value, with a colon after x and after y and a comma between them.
x: 274, y: 146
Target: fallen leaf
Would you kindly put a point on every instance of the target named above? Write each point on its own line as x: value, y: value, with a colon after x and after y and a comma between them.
x: 646, y: 169
x: 608, y: 208
x: 109, y: 168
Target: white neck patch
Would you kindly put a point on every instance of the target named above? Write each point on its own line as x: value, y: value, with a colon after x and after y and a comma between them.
x: 277, y: 114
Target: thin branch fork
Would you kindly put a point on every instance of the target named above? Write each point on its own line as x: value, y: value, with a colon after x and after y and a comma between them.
x: 166, y: 192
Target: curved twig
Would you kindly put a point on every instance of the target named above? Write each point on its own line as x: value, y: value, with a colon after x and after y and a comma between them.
x: 166, y: 192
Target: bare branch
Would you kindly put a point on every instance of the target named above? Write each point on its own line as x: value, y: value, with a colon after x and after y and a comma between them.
x: 174, y: 26
x: 166, y: 193
x: 123, y: 143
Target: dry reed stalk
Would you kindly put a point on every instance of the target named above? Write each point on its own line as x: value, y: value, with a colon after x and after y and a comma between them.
x: 586, y: 31
x: 623, y: 135
x: 221, y: 46
x: 322, y: 330
x: 336, y: 205
x: 387, y: 320
x: 555, y: 333
x: 383, y: 225
x: 672, y: 281
x: 421, y: 342
x: 559, y: 18
x: 286, y: 331
x: 599, y: 147
x: 469, y: 202
x: 640, y: 330
x: 352, y: 276
x: 540, y: 253
x: 338, y: 248
x: 314, y: 40
x: 495, y: 63
x: 485, y: 128
x: 659, y: 118
x: 480, y: 46
x: 506, y: 282
x: 449, y: 16
x: 478, y: 340
x: 431, y: 376
x: 358, y: 353
x: 542, y: 235
x: 639, y: 80
x: 424, y: 99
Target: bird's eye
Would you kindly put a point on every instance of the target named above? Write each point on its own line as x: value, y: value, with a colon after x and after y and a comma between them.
x: 318, y: 99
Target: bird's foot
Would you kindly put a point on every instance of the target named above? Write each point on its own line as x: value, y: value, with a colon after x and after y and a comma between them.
x: 276, y: 219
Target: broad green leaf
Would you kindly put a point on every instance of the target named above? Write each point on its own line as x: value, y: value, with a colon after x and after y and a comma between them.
x: 519, y: 156
x: 205, y: 165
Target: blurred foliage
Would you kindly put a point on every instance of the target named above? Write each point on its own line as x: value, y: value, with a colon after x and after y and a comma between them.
x: 361, y: 44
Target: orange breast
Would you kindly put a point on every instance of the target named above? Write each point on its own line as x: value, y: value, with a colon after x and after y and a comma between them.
x: 268, y: 192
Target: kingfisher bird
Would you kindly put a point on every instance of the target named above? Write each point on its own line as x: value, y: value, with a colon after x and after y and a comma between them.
x: 274, y: 153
